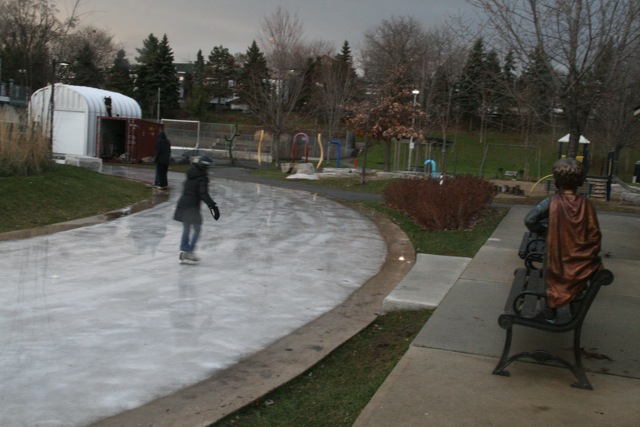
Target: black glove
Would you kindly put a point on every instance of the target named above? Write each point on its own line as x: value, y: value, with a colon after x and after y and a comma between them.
x: 215, y: 212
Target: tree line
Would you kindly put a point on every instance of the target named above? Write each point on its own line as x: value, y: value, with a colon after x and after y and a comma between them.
x: 530, y: 66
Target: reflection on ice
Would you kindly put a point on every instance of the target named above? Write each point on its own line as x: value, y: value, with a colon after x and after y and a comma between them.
x: 100, y: 319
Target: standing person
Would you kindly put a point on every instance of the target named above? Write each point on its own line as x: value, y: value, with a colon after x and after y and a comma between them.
x: 196, y: 189
x: 570, y: 226
x: 163, y: 157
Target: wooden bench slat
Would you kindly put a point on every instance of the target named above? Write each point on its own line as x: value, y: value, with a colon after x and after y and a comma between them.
x: 517, y: 287
x: 533, y: 304
x: 563, y: 314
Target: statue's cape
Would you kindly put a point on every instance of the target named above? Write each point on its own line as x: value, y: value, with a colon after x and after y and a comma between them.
x: 573, y: 247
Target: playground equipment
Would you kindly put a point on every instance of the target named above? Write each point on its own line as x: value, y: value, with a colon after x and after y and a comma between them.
x: 293, y: 147
x: 338, y: 157
x: 321, y: 152
x: 230, y: 144
x: 432, y: 164
x: 260, y: 147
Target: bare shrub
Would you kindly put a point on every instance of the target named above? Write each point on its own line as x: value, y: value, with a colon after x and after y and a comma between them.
x: 453, y: 204
x: 24, y: 150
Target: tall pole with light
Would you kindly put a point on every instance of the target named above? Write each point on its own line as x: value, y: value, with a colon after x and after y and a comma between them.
x: 54, y: 66
x: 415, y: 93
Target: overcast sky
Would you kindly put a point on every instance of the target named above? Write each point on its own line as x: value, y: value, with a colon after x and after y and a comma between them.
x: 192, y: 25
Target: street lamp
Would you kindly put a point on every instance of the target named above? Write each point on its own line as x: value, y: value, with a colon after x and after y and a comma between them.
x: 415, y: 93
x: 54, y: 64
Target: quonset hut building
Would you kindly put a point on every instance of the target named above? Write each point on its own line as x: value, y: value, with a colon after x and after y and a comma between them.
x: 91, y: 122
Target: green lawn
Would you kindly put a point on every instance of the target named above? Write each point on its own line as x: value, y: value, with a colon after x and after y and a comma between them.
x: 65, y: 193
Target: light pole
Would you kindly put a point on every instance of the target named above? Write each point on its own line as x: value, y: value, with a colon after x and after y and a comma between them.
x: 54, y: 64
x: 415, y: 93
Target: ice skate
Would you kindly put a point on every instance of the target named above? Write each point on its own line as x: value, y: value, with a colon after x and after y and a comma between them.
x: 188, y: 258
x: 191, y: 257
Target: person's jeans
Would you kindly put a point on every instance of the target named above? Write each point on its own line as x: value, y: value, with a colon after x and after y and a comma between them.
x: 161, y: 175
x: 189, y: 240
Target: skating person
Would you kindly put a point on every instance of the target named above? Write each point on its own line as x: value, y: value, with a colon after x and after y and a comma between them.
x: 196, y: 189
x: 163, y: 158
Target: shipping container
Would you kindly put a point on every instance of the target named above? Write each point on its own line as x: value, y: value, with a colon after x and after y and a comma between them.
x: 127, y: 140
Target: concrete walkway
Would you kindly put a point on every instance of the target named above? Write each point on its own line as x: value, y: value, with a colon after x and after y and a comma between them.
x: 445, y: 378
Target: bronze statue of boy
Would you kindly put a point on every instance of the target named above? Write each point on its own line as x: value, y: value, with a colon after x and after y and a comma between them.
x: 568, y: 222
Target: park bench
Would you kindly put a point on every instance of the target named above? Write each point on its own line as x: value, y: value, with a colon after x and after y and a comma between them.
x: 531, y: 250
x: 525, y: 305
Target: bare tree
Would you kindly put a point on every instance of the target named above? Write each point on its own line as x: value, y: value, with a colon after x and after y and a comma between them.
x: 100, y: 41
x: 573, y: 35
x: 448, y: 55
x: 399, y: 43
x: 274, y: 102
x: 336, y: 87
x: 28, y: 30
x: 614, y: 125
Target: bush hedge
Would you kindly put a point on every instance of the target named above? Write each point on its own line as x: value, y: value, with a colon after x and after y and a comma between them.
x: 438, y: 205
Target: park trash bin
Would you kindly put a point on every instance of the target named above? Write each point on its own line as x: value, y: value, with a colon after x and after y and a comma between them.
x: 636, y: 173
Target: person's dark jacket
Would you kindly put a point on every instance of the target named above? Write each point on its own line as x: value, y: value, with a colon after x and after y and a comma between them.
x: 196, y: 189
x: 163, y: 149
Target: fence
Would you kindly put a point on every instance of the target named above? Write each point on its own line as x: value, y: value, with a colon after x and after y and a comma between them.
x: 488, y: 160
x: 187, y: 136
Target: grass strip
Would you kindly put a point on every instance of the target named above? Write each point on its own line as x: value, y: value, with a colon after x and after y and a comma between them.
x: 62, y: 194
x: 334, y: 392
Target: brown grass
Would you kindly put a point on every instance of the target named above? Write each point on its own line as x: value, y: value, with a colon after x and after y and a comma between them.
x: 24, y: 150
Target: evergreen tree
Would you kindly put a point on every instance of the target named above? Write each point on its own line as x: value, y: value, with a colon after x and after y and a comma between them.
x: 145, y: 86
x: 480, y: 86
x: 119, y: 79
x: 490, y: 84
x: 345, y: 57
x: 157, y: 82
x: 343, y: 66
x: 222, y: 72
x: 168, y: 79
x: 505, y: 100
x: 538, y: 89
x: 198, y: 94
x: 468, y: 94
x: 254, y: 74
x: 84, y: 70
x: 311, y: 80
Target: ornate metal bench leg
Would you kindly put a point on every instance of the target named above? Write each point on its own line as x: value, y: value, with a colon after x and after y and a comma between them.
x: 578, y: 369
x: 504, y: 359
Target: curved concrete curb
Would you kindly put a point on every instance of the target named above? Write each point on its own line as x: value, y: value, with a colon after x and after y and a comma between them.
x: 156, y: 199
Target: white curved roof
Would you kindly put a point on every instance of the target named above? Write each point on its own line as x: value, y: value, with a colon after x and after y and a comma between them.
x: 87, y: 99
x: 122, y: 105
x: 76, y: 109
